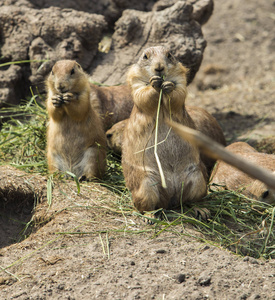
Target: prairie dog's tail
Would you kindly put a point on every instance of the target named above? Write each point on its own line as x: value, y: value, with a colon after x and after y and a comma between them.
x: 214, y: 150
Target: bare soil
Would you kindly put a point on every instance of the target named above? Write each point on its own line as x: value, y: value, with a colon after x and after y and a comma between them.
x: 84, y: 247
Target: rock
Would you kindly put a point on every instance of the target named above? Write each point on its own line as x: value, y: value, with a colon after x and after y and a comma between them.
x: 202, y: 9
x: 173, y: 27
x: 180, y: 278
x: 11, y: 85
x: 46, y: 34
x: 110, y: 9
x: 204, y: 280
x: 49, y: 34
x: 161, y: 251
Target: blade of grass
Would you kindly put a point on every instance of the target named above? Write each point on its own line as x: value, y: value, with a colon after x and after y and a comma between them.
x: 75, y: 179
x: 163, y: 182
x: 49, y: 190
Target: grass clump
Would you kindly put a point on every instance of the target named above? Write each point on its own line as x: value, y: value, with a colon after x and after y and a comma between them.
x: 23, y: 136
x: 240, y: 224
x: 237, y: 223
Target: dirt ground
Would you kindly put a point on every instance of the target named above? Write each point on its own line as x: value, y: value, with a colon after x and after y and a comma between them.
x: 90, y: 250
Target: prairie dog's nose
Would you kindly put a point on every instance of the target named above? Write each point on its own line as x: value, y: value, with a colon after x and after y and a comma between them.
x: 159, y: 67
x: 61, y: 87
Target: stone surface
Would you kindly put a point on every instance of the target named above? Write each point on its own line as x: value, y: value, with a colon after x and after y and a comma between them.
x: 173, y: 27
x: 46, y: 34
x: 36, y: 31
x: 202, y: 9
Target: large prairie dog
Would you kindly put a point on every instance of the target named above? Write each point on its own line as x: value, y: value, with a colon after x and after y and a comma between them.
x: 232, y: 179
x: 76, y: 140
x: 184, y: 171
x: 112, y: 103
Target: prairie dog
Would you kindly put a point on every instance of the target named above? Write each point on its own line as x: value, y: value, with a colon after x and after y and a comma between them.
x: 76, y: 140
x: 115, y: 136
x: 184, y: 171
x: 233, y: 179
x: 112, y: 103
x: 244, y: 158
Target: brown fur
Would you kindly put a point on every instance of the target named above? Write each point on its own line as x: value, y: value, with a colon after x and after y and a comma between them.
x: 183, y: 168
x: 204, y: 122
x: 208, y: 125
x: 233, y: 179
x: 115, y: 136
x: 76, y: 140
x: 113, y: 103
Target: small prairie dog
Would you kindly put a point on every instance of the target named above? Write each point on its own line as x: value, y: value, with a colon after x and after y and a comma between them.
x: 185, y: 173
x: 76, y: 140
x: 112, y: 103
x: 115, y: 136
x: 232, y: 179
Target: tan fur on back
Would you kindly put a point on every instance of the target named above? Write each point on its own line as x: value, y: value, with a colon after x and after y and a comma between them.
x: 113, y: 103
x: 76, y: 140
x: 183, y: 169
x: 232, y: 179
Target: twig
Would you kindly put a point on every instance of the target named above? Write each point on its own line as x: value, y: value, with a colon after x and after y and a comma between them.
x: 102, y: 244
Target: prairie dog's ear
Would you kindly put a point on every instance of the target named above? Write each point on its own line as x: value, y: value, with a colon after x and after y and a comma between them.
x: 78, y: 66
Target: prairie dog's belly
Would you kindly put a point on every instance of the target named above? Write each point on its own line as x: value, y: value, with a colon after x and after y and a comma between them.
x: 68, y: 141
x: 174, y: 154
x: 171, y: 149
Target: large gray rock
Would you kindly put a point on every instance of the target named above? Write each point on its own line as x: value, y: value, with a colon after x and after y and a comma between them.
x: 46, y: 34
x: 49, y: 34
x: 110, y: 9
x: 173, y: 27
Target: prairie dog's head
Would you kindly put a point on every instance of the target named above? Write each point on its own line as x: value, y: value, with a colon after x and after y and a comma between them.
x: 158, y: 61
x: 268, y: 196
x: 66, y: 76
x: 262, y: 193
x: 115, y: 136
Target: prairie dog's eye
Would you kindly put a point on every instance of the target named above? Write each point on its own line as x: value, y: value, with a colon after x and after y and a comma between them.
x: 52, y: 73
x: 169, y: 55
x: 265, y: 194
x: 145, y: 56
x: 72, y: 71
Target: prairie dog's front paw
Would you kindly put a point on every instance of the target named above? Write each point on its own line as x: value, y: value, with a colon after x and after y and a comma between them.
x: 57, y: 100
x: 168, y: 87
x: 156, y: 82
x: 68, y: 97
